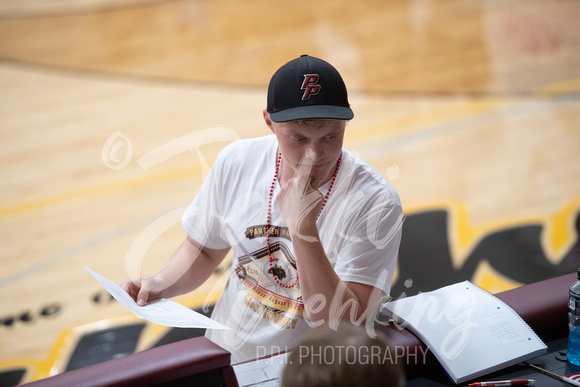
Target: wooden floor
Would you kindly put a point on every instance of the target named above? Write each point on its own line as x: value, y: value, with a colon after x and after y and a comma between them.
x: 111, y: 112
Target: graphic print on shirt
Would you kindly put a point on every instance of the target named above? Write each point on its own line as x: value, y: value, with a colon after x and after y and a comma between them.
x: 279, y: 304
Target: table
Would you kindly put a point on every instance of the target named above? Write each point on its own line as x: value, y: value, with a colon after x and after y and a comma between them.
x: 548, y: 361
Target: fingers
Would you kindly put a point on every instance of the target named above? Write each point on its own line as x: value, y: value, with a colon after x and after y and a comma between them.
x: 125, y: 285
x: 299, y: 198
x: 131, y: 287
x: 306, y: 163
x: 143, y: 297
x: 302, y: 183
x: 302, y: 175
x: 136, y: 289
x: 315, y: 183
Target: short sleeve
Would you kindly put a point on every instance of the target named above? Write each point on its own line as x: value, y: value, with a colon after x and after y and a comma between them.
x: 371, y: 242
x: 202, y: 220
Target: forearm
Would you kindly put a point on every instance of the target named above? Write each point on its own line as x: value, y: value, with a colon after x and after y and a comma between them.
x: 326, y: 296
x: 189, y: 267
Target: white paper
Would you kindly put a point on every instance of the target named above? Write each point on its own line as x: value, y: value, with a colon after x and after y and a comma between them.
x: 162, y: 312
x: 263, y: 373
x: 471, y: 332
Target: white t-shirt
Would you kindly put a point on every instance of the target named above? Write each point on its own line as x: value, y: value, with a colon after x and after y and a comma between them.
x: 359, y: 227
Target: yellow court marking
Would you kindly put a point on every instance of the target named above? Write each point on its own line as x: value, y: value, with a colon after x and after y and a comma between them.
x: 459, y: 110
x: 67, y: 340
x: 407, y: 124
x: 442, y: 115
x: 491, y: 280
x: 552, y: 90
x: 99, y: 190
x: 34, y: 369
x: 413, y: 123
x: 558, y: 235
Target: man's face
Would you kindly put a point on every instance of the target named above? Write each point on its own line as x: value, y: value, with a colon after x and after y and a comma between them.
x: 324, y: 139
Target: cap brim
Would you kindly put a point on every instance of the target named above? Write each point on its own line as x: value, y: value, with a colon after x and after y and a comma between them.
x: 314, y: 111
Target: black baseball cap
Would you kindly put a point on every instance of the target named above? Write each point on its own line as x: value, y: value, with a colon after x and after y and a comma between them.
x: 307, y: 87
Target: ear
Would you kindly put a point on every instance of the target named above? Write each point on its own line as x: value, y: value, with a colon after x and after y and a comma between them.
x: 268, y: 120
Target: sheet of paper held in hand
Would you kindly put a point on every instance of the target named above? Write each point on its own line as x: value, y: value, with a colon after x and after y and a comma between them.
x: 162, y: 312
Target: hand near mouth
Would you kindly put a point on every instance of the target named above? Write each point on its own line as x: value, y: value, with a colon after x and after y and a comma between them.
x: 300, y: 200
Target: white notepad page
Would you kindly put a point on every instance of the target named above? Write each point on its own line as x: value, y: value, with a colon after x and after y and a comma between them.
x: 163, y: 312
x: 470, y: 331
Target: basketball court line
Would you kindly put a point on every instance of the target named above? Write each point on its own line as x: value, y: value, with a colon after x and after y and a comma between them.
x: 450, y: 115
x: 74, y: 251
x: 413, y: 129
x: 400, y: 133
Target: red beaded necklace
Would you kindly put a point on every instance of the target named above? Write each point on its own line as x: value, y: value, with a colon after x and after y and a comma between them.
x: 268, y: 217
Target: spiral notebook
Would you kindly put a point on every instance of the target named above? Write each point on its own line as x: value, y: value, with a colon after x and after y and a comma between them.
x: 471, y: 332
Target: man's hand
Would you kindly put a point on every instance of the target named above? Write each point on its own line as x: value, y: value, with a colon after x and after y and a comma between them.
x: 189, y: 267
x: 145, y: 289
x: 300, y: 200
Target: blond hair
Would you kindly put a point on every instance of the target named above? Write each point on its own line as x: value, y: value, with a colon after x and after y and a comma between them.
x: 347, y: 356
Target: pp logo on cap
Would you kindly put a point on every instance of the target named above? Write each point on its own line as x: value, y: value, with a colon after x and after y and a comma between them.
x: 310, y: 86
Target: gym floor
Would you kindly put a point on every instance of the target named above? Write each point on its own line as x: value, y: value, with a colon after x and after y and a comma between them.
x: 111, y: 113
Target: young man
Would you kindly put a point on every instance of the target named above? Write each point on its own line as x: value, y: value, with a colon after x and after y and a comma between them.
x: 314, y: 231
